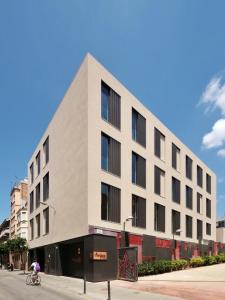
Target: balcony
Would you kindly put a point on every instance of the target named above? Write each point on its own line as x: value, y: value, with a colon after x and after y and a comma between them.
x: 4, y: 234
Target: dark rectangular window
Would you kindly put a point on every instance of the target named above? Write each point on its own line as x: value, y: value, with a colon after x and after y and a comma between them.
x: 188, y: 167
x: 175, y: 190
x: 208, y: 183
x: 38, y: 195
x: 175, y: 157
x: 38, y: 163
x: 138, y: 128
x: 159, y: 145
x: 199, y: 203
x: 138, y: 170
x: 199, y: 176
x: 38, y: 225
x: 159, y: 217
x: 31, y: 229
x: 188, y: 226
x: 46, y: 187
x: 138, y: 211
x: 208, y: 229
x: 110, y: 203
x: 110, y: 105
x: 159, y: 182
x: 46, y: 151
x: 32, y: 173
x: 110, y: 154
x: 175, y: 221
x: 199, y: 229
x: 46, y: 220
x: 208, y: 208
x: 31, y: 202
x: 189, y: 197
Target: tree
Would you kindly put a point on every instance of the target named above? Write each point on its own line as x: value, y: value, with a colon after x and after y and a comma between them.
x: 18, y: 244
x: 3, y: 250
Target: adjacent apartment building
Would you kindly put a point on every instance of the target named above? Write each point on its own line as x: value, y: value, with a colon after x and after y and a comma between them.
x: 220, y: 230
x: 18, y: 216
x: 105, y: 162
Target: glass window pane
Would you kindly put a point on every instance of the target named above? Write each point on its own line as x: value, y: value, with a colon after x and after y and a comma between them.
x: 105, y: 153
x: 105, y: 103
x: 134, y: 168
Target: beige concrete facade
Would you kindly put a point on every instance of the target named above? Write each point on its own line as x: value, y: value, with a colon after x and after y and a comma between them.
x: 75, y: 173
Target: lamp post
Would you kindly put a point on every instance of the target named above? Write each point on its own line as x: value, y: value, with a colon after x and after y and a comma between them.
x: 127, y: 219
x: 45, y: 204
x: 174, y: 247
x: 124, y: 241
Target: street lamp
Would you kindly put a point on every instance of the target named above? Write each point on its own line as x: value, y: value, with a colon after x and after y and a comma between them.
x: 176, y: 231
x: 45, y: 204
x: 127, y: 219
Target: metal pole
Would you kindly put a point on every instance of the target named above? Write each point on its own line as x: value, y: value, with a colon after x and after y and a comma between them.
x: 109, y: 291
x: 174, y: 250
x: 84, y: 285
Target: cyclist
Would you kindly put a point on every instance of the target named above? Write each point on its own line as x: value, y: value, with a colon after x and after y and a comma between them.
x: 36, y: 268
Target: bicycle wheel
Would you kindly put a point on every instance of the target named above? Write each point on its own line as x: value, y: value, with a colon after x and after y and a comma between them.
x: 38, y: 280
x: 28, y: 279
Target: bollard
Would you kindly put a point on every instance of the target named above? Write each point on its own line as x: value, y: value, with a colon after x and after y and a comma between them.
x: 84, y: 285
x: 109, y: 291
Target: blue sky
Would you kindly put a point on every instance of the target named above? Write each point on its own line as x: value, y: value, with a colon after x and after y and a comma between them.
x: 170, y: 54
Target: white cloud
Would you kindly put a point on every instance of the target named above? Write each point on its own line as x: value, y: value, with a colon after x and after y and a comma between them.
x: 221, y: 153
x: 214, y: 98
x: 216, y: 137
x: 214, y: 95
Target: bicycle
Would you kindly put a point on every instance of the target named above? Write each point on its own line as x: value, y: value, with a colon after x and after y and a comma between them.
x: 33, y: 279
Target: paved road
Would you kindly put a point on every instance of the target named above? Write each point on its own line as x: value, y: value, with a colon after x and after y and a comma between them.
x: 206, y: 283
x: 13, y: 287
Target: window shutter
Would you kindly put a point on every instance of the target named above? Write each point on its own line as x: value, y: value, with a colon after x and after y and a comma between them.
x: 114, y: 157
x: 141, y: 130
x: 114, y: 108
x: 141, y: 171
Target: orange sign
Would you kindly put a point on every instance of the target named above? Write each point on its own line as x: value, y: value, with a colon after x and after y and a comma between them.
x: 98, y: 255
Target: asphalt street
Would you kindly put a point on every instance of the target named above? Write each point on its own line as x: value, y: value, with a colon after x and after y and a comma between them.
x: 13, y: 287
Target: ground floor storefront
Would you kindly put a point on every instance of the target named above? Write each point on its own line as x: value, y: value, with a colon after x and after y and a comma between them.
x: 67, y: 257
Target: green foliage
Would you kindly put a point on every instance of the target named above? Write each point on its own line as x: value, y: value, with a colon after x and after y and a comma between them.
x: 220, y: 258
x: 196, y: 262
x: 161, y: 266
x: 3, y: 248
x: 209, y: 260
x: 17, y: 244
x: 145, y: 268
x: 179, y: 264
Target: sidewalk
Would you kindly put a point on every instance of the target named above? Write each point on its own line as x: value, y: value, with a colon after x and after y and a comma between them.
x: 205, y: 283
x: 98, y: 291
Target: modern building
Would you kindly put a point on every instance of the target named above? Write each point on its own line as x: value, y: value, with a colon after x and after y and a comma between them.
x: 18, y: 201
x: 105, y: 162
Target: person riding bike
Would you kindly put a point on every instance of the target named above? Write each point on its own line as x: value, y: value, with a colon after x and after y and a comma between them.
x: 36, y: 269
